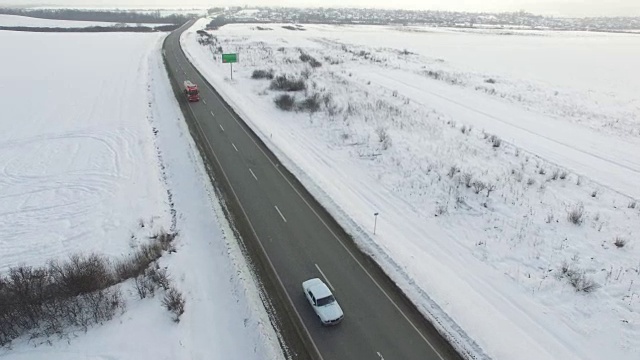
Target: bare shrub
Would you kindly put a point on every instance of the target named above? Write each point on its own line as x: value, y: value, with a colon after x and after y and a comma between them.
x: 563, y: 175
x: 491, y: 188
x: 581, y: 282
x: 495, y: 141
x: 620, y: 242
x: 332, y: 109
x: 577, y: 278
x: 129, y: 267
x: 452, y: 171
x: 139, y: 261
x: 575, y: 215
x: 285, y: 102
x: 543, y: 186
x: 542, y: 171
x: 151, y: 251
x: 549, y: 218
x: 82, y: 274
x: 315, y: 63
x: 304, y: 57
x: 463, y: 129
x: 327, y: 99
x: 478, y: 186
x: 306, y: 73
x: 517, y: 175
x: 310, y: 104
x: 490, y: 81
x: 632, y: 204
x: 594, y: 193
x: 384, y: 138
x: 284, y: 83
x: 441, y: 209
x: 467, y: 179
x: 165, y: 239
x: 555, y: 174
x: 143, y: 286
x: 174, y: 302
x: 159, y: 277
x: 531, y: 181
x: 262, y: 74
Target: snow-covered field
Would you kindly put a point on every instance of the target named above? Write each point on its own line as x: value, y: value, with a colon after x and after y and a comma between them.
x: 25, y: 21
x: 474, y: 148
x: 91, y: 145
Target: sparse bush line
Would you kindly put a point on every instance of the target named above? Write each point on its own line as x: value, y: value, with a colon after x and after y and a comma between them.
x: 76, y: 293
x: 262, y: 74
x: 284, y: 83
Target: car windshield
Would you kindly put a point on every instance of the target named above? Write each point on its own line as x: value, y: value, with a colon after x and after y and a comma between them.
x: 193, y: 92
x: 326, y: 300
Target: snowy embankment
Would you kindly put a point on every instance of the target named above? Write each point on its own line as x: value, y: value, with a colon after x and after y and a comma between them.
x: 95, y: 157
x: 504, y: 171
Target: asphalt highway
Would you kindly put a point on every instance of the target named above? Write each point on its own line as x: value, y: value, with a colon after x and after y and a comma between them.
x: 290, y: 238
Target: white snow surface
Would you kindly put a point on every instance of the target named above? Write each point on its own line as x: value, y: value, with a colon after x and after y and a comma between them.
x: 477, y: 234
x: 91, y: 145
x: 26, y: 21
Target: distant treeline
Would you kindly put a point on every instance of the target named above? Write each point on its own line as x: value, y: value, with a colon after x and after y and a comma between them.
x: 221, y: 20
x: 99, y: 15
x: 93, y: 28
x: 217, y: 22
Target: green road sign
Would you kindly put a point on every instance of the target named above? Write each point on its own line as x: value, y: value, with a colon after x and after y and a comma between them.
x: 229, y: 58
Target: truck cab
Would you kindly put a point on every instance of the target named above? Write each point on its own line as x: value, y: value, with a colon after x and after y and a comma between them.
x: 191, y: 91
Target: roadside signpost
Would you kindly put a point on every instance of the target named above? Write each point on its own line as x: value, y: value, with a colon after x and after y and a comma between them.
x: 375, y: 222
x: 230, y: 59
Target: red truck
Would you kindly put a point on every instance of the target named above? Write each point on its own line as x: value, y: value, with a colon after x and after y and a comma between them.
x: 191, y: 91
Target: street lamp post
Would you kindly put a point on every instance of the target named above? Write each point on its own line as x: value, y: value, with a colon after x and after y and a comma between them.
x: 375, y: 222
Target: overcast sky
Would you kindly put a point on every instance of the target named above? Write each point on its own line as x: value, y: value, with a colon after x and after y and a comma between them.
x: 547, y: 7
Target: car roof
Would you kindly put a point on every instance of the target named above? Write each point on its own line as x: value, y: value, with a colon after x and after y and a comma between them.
x: 320, y: 290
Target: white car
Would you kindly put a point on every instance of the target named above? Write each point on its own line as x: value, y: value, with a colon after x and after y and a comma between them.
x: 322, y: 301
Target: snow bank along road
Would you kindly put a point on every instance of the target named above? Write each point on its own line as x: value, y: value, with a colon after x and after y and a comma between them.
x: 279, y: 219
